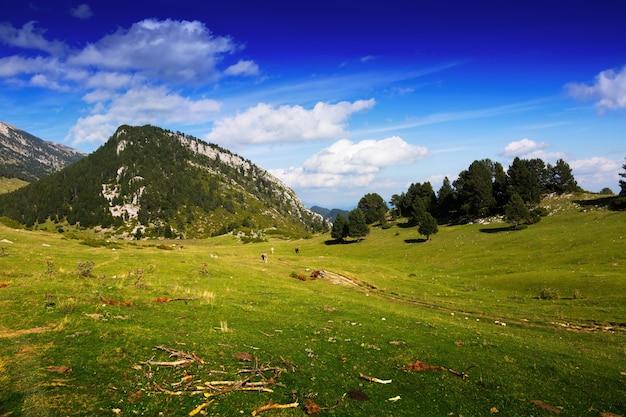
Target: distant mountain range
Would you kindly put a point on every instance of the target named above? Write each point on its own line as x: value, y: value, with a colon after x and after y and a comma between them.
x: 30, y: 158
x: 330, y: 214
x: 147, y: 181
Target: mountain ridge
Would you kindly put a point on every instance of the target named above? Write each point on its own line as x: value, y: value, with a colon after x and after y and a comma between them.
x: 29, y: 158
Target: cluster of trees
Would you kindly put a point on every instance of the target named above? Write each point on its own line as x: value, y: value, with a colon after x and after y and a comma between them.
x: 483, y: 189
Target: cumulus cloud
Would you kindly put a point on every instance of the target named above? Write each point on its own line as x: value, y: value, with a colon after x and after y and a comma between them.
x: 608, y: 88
x: 29, y: 37
x: 176, y: 51
x: 141, y: 105
x: 348, y: 164
x: 522, y: 147
x: 82, y: 11
x: 265, y: 123
x: 529, y: 149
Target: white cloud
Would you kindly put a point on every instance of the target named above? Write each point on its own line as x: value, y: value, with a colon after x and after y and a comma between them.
x: 264, y: 123
x: 345, y: 164
x: 29, y: 37
x: 596, y: 171
x: 367, y: 156
x: 243, y: 68
x: 522, y: 148
x: 40, y: 80
x: 176, y: 51
x: 141, y: 105
x: 609, y: 88
x: 82, y: 11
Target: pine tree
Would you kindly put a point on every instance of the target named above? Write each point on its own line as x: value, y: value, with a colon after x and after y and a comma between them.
x: 622, y: 183
x: 340, y: 228
x: 373, y: 207
x: 427, y: 225
x: 516, y: 211
x: 357, y: 227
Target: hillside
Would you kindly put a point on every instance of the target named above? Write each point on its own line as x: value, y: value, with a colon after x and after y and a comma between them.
x: 30, y: 158
x: 146, y: 181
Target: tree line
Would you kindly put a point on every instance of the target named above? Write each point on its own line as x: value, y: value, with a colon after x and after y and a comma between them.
x: 483, y: 189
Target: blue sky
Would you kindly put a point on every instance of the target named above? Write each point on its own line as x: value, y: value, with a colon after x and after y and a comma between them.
x: 336, y: 98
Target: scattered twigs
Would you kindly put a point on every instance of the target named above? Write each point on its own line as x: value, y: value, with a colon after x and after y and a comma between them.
x: 373, y: 379
x: 175, y: 353
x: 271, y: 406
x: 257, y: 377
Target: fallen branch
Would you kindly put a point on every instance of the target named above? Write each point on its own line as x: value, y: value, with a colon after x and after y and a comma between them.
x: 166, y: 391
x: 200, y: 408
x: 462, y: 375
x: 180, y: 362
x: 274, y: 407
x: 373, y: 379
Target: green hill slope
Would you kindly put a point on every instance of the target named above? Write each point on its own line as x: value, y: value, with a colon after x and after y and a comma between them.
x: 146, y: 181
x: 83, y: 327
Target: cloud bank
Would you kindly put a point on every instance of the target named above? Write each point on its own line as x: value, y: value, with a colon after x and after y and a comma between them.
x: 348, y: 164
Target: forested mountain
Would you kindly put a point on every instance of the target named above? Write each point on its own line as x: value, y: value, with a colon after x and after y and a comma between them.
x: 146, y: 181
x: 29, y: 158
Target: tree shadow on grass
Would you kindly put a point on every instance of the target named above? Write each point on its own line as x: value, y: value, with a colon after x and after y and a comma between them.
x: 420, y: 240
x: 597, y: 202
x: 340, y: 242
x: 501, y: 229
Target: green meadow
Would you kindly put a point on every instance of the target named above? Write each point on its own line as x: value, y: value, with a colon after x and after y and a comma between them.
x: 482, y: 320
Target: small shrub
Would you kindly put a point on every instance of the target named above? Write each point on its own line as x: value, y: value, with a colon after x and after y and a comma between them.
x: 295, y: 275
x: 67, y: 306
x: 49, y: 267
x: 549, y: 293
x: 85, y: 269
x: 577, y: 295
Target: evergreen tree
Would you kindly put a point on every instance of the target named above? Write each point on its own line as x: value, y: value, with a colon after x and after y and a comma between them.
x: 373, y: 207
x: 622, y: 183
x: 516, y: 211
x: 340, y: 228
x: 561, y: 180
x: 475, y: 189
x: 500, y: 186
x: 524, y: 180
x: 357, y: 228
x: 427, y: 225
x: 446, y: 200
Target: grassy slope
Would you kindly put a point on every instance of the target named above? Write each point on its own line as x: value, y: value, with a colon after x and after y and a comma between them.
x: 436, y: 302
x: 10, y: 184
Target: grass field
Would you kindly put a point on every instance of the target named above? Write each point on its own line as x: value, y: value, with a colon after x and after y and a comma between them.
x: 482, y: 320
